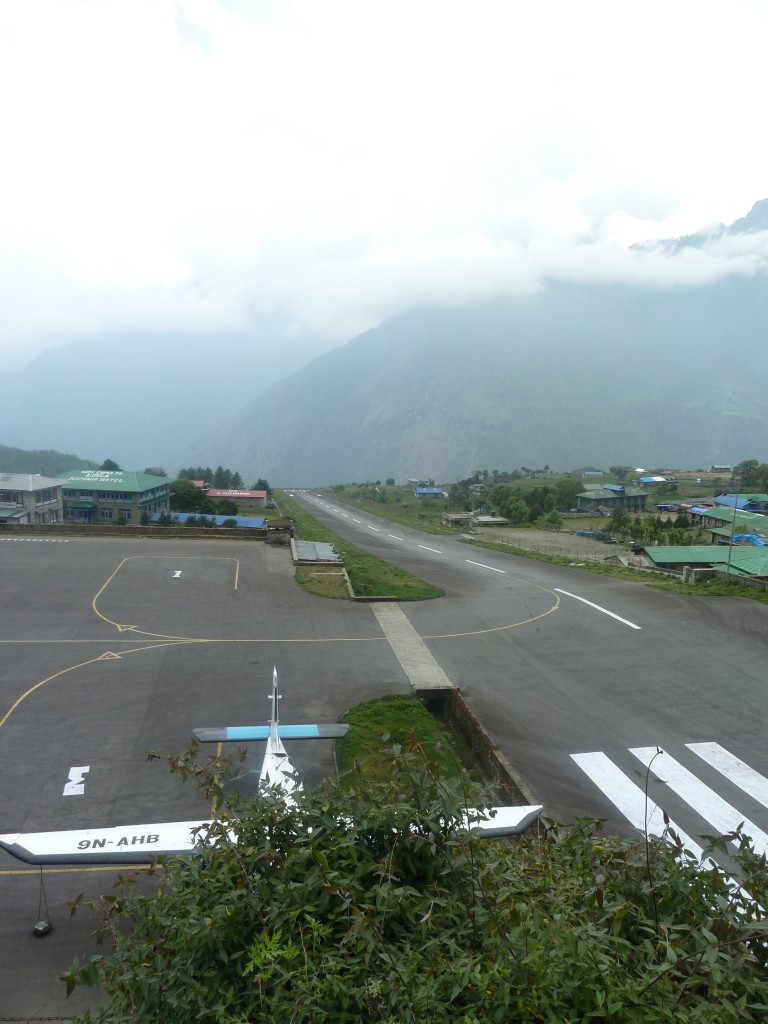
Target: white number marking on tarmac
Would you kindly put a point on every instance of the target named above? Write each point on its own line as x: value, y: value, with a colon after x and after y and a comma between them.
x: 177, y: 573
x: 76, y: 784
x: 598, y: 608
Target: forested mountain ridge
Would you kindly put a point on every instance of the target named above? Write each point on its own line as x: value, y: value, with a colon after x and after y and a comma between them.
x: 46, y: 463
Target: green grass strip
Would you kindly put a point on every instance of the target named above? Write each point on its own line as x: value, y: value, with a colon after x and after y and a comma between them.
x: 378, y: 724
x: 369, y: 576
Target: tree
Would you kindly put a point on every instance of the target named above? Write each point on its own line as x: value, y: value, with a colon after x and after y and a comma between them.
x: 746, y: 472
x: 515, y: 510
x: 620, y: 520
x: 109, y: 466
x: 154, y: 471
x: 363, y: 904
x: 204, y: 473
x: 183, y: 496
x: 226, y: 507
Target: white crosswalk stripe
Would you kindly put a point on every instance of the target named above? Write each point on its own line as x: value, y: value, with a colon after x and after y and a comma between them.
x: 701, y: 798
x: 739, y: 773
x: 630, y: 799
x: 709, y: 806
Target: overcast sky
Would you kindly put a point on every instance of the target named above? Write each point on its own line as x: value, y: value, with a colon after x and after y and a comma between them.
x: 199, y: 166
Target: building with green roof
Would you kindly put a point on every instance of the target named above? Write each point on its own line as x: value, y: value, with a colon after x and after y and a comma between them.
x: 611, y: 496
x: 111, y: 496
x: 737, y: 559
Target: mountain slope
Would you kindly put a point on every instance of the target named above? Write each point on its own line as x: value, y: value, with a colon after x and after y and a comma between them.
x: 573, y: 375
x: 136, y: 398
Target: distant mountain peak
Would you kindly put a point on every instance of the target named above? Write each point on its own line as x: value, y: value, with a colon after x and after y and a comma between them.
x: 756, y: 220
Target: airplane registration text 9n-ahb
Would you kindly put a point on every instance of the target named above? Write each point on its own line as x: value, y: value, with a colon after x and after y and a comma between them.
x: 137, y: 844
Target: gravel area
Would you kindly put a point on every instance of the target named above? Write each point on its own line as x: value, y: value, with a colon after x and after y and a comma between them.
x: 564, y: 543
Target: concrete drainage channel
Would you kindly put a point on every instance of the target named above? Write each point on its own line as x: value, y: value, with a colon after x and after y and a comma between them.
x: 450, y: 707
x: 444, y: 700
x: 429, y: 682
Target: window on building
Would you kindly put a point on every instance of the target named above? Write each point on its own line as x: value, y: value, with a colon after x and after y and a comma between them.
x: 106, y: 513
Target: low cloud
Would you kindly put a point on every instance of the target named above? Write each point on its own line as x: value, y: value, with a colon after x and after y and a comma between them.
x: 212, y: 166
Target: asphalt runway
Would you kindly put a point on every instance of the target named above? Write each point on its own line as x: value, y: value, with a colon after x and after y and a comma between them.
x: 113, y: 648
x: 611, y: 699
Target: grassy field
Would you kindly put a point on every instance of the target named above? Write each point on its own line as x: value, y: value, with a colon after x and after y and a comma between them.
x: 397, y: 719
x: 369, y: 576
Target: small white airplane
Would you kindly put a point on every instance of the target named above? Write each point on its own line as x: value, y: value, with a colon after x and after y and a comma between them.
x: 136, y: 844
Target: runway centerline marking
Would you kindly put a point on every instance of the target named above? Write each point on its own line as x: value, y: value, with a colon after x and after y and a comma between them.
x: 482, y: 565
x: 375, y: 529
x: 599, y: 608
x: 424, y: 546
x: 394, y: 537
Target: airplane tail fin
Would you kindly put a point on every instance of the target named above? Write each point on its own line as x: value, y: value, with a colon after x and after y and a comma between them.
x: 273, y: 732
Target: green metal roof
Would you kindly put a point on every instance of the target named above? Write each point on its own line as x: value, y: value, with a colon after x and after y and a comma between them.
x: 747, y: 560
x: 603, y: 492
x: 108, y: 480
x: 726, y: 515
x: 691, y: 554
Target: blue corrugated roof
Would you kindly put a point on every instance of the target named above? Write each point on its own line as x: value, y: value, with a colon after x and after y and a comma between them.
x: 249, y: 522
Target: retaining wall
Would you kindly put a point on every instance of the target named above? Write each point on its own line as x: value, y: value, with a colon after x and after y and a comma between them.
x: 37, y: 531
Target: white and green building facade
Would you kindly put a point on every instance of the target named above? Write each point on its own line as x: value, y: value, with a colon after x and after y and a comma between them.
x: 111, y: 497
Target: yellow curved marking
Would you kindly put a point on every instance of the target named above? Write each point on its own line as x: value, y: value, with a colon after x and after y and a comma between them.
x: 511, y: 625
x: 107, y: 656
x: 122, y: 627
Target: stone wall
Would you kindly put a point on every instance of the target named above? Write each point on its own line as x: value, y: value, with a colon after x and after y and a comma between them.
x: 450, y: 706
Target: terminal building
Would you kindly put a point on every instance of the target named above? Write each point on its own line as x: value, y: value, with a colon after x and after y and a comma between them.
x: 112, y: 496
x: 29, y: 498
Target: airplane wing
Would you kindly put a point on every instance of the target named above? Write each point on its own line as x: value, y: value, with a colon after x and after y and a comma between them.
x: 224, y: 734
x: 136, y: 844
x: 495, y: 822
x: 124, y: 844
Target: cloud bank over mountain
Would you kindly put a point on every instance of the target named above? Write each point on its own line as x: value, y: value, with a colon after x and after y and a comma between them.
x: 218, y: 168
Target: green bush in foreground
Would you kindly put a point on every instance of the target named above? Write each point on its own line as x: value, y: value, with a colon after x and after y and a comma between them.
x: 363, y: 906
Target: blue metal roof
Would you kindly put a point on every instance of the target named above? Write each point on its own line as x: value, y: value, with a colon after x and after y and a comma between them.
x: 249, y: 522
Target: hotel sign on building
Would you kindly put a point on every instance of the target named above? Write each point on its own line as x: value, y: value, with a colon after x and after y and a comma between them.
x: 243, y: 499
x: 112, y: 496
